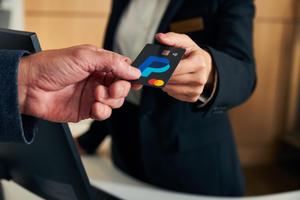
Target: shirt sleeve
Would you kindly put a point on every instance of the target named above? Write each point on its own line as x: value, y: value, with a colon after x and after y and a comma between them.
x: 203, y: 100
x: 13, y: 126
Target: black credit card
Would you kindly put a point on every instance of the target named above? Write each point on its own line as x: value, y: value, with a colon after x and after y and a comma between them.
x: 157, y: 64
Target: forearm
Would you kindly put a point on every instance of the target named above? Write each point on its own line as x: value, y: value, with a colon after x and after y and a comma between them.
x: 232, y: 55
x: 236, y: 80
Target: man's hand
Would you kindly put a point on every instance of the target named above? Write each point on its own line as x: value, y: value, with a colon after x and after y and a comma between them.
x: 194, y: 71
x: 69, y: 85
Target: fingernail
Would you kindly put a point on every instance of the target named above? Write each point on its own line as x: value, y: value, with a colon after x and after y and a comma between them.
x: 162, y: 35
x: 136, y: 72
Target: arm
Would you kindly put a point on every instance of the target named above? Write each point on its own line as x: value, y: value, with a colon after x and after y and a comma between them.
x: 64, y: 85
x: 231, y: 57
x: 233, y: 54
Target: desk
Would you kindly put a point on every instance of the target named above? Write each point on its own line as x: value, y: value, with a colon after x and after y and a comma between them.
x: 104, y: 175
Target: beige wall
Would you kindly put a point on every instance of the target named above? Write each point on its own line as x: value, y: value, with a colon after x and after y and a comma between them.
x: 62, y: 23
x: 259, y: 123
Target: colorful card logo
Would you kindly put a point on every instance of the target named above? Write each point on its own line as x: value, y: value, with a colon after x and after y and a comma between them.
x: 155, y: 64
x: 156, y: 82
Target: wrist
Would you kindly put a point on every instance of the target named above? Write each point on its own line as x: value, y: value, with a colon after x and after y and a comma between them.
x: 211, y: 84
x: 211, y: 77
x: 209, y: 64
x: 23, y: 83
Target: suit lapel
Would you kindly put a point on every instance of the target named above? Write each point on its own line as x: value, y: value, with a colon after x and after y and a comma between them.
x: 169, y: 14
x: 121, y: 5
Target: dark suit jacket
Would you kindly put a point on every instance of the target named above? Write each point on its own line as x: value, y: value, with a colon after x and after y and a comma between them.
x: 174, y: 144
x: 13, y: 126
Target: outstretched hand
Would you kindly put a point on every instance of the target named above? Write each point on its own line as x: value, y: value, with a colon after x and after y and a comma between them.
x: 72, y: 84
x: 194, y: 71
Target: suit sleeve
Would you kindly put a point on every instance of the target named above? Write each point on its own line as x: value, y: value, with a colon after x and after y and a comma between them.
x: 13, y: 126
x: 232, y: 55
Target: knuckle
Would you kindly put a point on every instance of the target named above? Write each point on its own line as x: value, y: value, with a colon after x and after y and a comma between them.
x: 194, y: 94
x: 196, y: 81
x: 185, y: 36
x: 199, y: 60
x: 199, y: 78
x: 189, y: 93
x: 126, y: 88
x: 114, y: 104
x: 104, y: 113
x: 127, y: 59
x: 79, y: 52
x: 119, y: 103
x: 186, y: 93
x: 88, y: 46
x: 203, y: 79
x: 199, y: 91
x: 194, y: 99
x: 171, y: 33
x: 115, y: 60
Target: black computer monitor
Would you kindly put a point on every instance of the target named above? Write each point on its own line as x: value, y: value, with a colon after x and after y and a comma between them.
x: 19, y: 40
x: 49, y: 167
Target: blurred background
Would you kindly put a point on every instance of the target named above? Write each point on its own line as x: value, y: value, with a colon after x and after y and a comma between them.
x: 266, y: 127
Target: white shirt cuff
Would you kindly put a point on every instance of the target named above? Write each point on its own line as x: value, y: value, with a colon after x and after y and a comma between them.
x: 205, y: 100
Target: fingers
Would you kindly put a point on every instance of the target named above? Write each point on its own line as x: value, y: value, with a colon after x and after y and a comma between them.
x: 119, y: 89
x: 102, y: 95
x: 183, y: 79
x: 184, y: 92
x: 113, y: 103
x: 113, y: 95
x: 198, y: 78
x: 100, y: 111
x: 193, y: 63
x: 176, y: 40
x: 136, y: 86
x: 184, y: 67
x: 91, y: 58
x: 108, y: 98
x: 88, y: 58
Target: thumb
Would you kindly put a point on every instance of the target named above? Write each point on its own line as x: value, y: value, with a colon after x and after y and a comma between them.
x: 117, y: 64
x: 176, y: 40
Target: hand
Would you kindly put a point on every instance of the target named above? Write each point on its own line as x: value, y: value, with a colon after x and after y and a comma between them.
x: 72, y: 84
x: 194, y: 71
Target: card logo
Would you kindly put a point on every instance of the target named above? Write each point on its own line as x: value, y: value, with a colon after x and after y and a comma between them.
x: 156, y: 82
x: 154, y: 64
x: 157, y: 63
